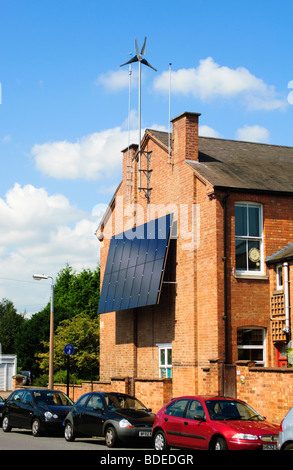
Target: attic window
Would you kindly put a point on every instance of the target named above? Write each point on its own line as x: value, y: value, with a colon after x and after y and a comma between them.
x: 248, y: 238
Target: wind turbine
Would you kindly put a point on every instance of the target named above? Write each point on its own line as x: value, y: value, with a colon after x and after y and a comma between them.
x: 139, y: 58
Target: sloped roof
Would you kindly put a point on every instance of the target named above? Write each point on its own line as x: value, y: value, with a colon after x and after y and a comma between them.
x: 242, y: 165
x: 285, y: 254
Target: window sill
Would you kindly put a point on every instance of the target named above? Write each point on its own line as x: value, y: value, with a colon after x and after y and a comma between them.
x: 259, y: 277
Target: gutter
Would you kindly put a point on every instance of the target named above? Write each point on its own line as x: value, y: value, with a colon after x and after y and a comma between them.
x: 225, y: 317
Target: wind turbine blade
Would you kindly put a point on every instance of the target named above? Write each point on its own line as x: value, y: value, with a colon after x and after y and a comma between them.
x: 143, y: 47
x: 136, y: 48
x: 145, y: 62
x: 134, y: 59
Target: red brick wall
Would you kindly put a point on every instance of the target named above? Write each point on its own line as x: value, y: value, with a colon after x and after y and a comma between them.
x: 269, y: 391
x: 190, y: 316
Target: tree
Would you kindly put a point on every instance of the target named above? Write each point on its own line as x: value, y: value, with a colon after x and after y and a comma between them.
x: 10, y: 322
x: 83, y: 333
x: 73, y: 294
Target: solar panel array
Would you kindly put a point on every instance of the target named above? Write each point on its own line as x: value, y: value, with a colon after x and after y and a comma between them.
x: 135, y: 266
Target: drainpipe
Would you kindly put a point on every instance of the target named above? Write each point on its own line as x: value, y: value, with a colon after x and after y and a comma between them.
x: 225, y: 317
x: 286, y: 299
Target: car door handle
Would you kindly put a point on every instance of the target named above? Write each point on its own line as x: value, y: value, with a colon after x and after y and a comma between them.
x: 165, y: 419
x: 186, y: 423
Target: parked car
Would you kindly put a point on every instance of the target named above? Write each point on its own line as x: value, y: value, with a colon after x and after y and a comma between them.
x: 285, y: 440
x: 115, y: 416
x: 218, y: 423
x: 1, y: 408
x: 27, y: 377
x: 35, y: 409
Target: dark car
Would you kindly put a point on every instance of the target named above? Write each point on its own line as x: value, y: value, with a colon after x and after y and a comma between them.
x: 115, y: 416
x: 27, y: 377
x: 35, y: 409
x: 1, y: 408
x: 218, y: 423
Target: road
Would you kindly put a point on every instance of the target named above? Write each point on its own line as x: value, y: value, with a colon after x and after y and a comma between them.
x: 20, y: 439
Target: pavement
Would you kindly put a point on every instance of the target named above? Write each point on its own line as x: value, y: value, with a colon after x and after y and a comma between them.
x: 4, y: 394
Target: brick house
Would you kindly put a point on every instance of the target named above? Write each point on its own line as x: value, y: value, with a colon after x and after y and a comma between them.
x: 223, y: 294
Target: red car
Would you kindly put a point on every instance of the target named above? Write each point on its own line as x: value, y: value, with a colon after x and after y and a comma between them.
x: 219, y: 423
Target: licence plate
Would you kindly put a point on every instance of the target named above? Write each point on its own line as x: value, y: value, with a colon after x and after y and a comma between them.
x: 269, y: 447
x: 145, y: 433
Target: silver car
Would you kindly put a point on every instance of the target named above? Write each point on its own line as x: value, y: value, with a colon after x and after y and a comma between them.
x: 285, y: 439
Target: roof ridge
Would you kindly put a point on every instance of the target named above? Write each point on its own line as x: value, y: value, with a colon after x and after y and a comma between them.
x: 222, y: 139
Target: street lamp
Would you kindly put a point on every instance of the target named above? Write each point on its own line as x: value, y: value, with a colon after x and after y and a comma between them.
x: 39, y: 277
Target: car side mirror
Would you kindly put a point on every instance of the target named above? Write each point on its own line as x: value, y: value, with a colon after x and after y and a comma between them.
x: 98, y: 408
x: 199, y: 418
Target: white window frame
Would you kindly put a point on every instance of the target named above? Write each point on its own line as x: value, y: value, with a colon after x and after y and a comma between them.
x: 279, y: 277
x: 255, y: 346
x: 249, y: 272
x: 165, y: 366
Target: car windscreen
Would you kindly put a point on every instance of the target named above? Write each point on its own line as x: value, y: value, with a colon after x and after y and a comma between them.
x: 231, y: 410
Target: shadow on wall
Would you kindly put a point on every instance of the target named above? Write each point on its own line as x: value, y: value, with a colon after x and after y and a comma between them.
x: 148, y: 326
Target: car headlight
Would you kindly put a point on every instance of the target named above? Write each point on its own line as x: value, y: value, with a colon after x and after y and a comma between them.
x: 245, y: 437
x: 49, y: 415
x: 124, y: 423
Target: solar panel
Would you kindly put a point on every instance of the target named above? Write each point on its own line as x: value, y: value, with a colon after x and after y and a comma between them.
x: 135, y: 266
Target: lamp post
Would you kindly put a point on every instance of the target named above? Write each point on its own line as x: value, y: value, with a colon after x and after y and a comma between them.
x: 38, y: 277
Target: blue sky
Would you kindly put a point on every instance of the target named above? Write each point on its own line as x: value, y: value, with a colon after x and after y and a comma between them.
x: 64, y: 109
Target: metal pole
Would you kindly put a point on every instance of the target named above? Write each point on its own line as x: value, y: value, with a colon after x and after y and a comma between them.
x: 139, y: 122
x: 38, y: 277
x: 51, y: 347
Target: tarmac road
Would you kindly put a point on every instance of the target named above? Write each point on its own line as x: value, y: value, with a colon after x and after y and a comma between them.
x: 22, y: 439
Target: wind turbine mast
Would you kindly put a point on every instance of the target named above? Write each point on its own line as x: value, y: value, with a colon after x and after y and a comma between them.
x: 139, y: 58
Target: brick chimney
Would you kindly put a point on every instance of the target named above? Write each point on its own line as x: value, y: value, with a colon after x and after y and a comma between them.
x: 185, y: 137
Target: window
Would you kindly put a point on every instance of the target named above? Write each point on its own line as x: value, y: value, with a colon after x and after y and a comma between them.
x: 195, y: 410
x: 279, y: 275
x: 251, y: 344
x: 16, y: 396
x: 165, y: 358
x: 248, y: 238
x: 82, y: 400
x: 94, y: 402
x: 177, y: 408
x: 27, y: 397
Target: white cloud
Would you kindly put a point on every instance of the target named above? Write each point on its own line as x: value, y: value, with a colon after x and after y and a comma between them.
x: 208, y: 131
x: 91, y: 157
x: 40, y: 232
x: 117, y: 80
x: 253, y: 134
x: 6, y: 139
x: 210, y: 80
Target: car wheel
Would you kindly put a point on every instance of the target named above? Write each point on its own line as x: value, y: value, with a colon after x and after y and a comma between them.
x: 160, y: 441
x: 68, y: 432
x: 5, y: 424
x: 288, y: 446
x: 220, y: 444
x: 36, y: 427
x: 111, y: 437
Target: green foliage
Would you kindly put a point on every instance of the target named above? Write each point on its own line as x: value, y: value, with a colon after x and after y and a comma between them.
x: 10, y: 322
x: 83, y: 333
x: 74, y: 295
